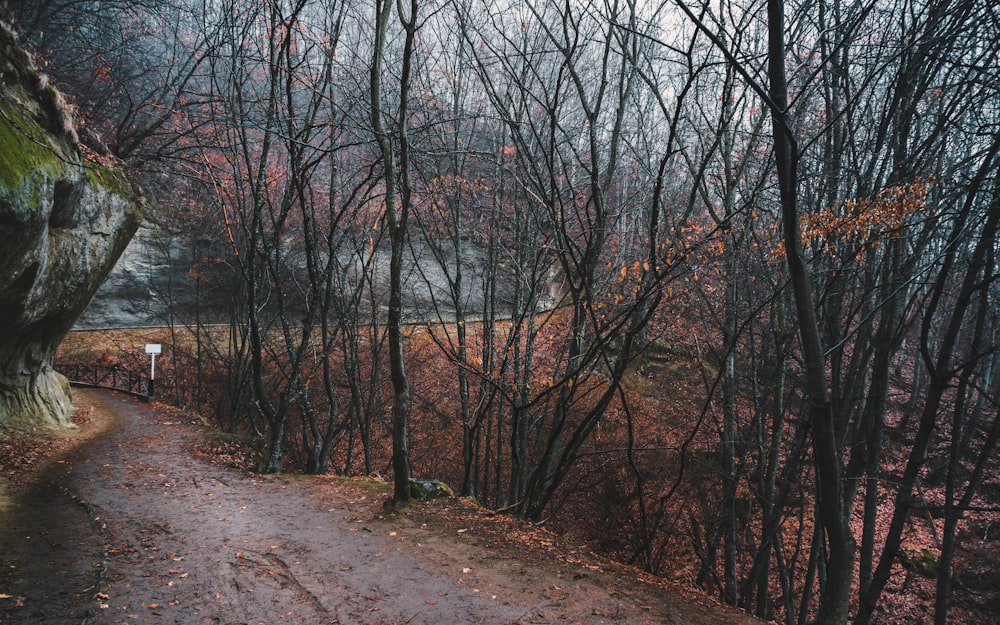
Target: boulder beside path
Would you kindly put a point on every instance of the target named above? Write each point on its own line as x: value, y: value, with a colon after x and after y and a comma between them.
x: 65, y: 218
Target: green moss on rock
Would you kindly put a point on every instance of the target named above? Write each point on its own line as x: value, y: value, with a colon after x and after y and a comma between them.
x: 64, y: 222
x: 424, y: 490
x: 24, y: 148
x: 108, y: 178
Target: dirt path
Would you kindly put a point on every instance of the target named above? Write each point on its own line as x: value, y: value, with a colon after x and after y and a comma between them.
x: 135, y: 527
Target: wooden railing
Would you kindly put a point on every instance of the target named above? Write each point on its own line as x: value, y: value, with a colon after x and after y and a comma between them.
x: 113, y: 377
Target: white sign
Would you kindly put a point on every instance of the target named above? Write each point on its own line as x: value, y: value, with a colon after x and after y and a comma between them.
x: 152, y: 349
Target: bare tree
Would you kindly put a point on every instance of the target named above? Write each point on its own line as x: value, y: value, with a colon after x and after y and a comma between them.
x: 397, y: 212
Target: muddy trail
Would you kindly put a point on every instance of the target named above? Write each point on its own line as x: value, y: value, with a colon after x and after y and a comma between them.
x: 135, y: 526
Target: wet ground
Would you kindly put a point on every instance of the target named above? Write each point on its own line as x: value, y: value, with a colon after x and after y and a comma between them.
x: 134, y: 525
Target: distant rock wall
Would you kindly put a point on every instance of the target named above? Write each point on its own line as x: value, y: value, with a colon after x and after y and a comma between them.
x: 64, y: 220
x: 158, y: 281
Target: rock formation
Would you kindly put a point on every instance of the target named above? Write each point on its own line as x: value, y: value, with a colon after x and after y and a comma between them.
x: 64, y: 220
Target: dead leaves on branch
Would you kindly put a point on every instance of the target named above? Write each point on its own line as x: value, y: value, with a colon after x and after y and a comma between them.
x: 861, y: 225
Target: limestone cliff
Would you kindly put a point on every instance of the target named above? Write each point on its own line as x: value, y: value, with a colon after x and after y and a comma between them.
x: 64, y: 220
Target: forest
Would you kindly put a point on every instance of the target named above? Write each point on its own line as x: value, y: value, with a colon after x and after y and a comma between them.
x: 711, y: 286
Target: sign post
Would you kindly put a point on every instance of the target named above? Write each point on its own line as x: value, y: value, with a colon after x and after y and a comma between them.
x: 152, y: 349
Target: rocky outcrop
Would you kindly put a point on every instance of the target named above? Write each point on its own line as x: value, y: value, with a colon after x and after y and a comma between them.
x: 64, y: 220
x: 425, y: 490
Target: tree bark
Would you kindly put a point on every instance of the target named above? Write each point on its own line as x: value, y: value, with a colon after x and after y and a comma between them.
x: 834, y: 604
x: 396, y: 215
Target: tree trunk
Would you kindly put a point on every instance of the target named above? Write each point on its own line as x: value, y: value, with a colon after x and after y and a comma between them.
x: 835, y: 595
x: 396, y: 217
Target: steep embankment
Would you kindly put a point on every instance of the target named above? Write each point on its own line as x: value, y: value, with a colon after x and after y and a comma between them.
x: 64, y: 220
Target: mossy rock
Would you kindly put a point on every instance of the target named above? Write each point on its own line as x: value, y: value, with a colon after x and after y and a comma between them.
x: 424, y: 490
x: 111, y: 179
x: 923, y: 561
x: 64, y: 223
x: 927, y: 563
x: 24, y: 149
